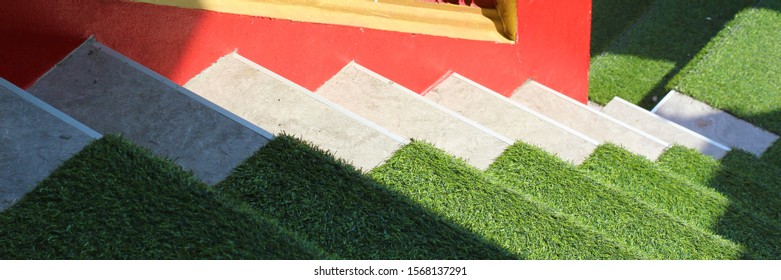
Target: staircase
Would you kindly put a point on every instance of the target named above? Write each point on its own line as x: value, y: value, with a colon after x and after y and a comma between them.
x: 564, y: 163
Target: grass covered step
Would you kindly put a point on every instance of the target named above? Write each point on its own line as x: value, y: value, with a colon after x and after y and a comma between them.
x: 450, y: 187
x: 561, y: 186
x: 739, y: 176
x: 724, y: 211
x: 345, y: 212
x: 753, y: 215
x: 114, y: 200
x: 642, y: 179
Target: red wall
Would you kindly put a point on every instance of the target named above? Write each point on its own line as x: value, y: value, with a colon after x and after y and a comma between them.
x: 179, y: 43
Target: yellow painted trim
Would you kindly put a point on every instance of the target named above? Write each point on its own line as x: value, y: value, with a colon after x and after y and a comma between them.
x: 508, y: 12
x: 395, y: 15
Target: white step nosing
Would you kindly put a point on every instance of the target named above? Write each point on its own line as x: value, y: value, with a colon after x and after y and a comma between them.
x: 527, y: 109
x: 661, y: 102
x: 49, y: 109
x: 433, y: 104
x: 603, y: 115
x: 184, y: 91
x: 321, y: 99
x: 673, y: 124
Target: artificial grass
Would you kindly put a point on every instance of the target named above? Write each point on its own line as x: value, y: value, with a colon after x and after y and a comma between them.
x: 638, y: 66
x: 640, y: 178
x: 345, y: 212
x: 561, y: 186
x: 738, y: 175
x: 446, y: 185
x: 739, y: 70
x: 752, y: 218
x: 692, y: 201
x: 610, y: 18
x: 113, y: 200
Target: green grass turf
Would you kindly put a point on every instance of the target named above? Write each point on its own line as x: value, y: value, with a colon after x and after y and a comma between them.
x: 642, y: 179
x: 611, y: 18
x: 738, y: 71
x: 345, y: 212
x: 638, y: 66
x: 560, y: 185
x: 690, y: 200
x: 116, y: 201
x: 739, y: 176
x: 446, y: 185
x: 752, y: 217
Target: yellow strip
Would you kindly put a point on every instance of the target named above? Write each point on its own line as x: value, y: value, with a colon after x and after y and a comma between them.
x: 395, y: 15
x: 508, y: 12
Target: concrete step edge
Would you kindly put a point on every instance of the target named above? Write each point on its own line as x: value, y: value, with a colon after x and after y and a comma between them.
x: 671, y: 123
x: 183, y: 90
x: 321, y: 99
x: 49, y: 109
x: 432, y: 103
x: 526, y: 109
x: 601, y: 114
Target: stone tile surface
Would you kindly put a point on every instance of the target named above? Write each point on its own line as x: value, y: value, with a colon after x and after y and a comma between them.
x: 588, y: 121
x: 33, y: 143
x: 410, y: 115
x: 279, y: 106
x: 114, y: 96
x: 511, y: 119
x: 714, y: 124
x: 663, y: 128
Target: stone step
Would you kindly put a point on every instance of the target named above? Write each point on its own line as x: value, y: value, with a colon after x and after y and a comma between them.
x: 273, y: 102
x: 511, y: 119
x: 588, y: 121
x: 34, y: 139
x: 114, y: 95
x: 714, y: 124
x: 662, y: 128
x: 408, y: 114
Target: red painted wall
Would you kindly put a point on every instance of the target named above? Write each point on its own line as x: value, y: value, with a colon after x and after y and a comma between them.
x: 179, y: 43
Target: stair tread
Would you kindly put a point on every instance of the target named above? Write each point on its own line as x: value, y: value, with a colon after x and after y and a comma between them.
x: 663, y: 128
x: 115, y: 95
x: 34, y: 140
x: 714, y: 124
x: 405, y: 113
x: 269, y: 101
x: 587, y: 120
x: 511, y: 119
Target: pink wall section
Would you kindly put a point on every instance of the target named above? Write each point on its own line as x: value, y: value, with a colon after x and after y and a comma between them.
x: 179, y: 43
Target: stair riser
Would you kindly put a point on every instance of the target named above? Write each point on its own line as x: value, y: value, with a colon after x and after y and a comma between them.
x: 270, y: 101
x: 114, y: 95
x: 498, y: 113
x: 588, y: 121
x: 663, y: 128
x: 34, y: 139
x: 405, y: 113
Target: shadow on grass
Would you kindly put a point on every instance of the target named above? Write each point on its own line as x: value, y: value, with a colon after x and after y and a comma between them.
x: 611, y: 18
x: 345, y: 212
x: 114, y: 200
x: 753, y: 217
x: 670, y: 31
